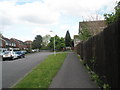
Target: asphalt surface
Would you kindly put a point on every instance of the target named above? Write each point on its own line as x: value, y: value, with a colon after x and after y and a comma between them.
x: 0, y: 72
x: 15, y: 70
x: 72, y: 75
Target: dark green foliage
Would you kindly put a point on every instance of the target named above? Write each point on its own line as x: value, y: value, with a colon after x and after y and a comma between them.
x: 109, y: 18
x: 37, y: 42
x: 93, y: 63
x: 117, y: 11
x: 59, y: 43
x: 106, y: 86
x: 72, y: 43
x: 68, y: 39
x: 96, y: 78
x: 85, y: 34
x: 113, y: 16
x: 45, y: 48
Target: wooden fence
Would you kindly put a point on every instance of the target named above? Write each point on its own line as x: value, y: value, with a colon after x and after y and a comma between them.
x: 103, y: 48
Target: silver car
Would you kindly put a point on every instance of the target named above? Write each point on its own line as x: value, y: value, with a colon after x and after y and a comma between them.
x: 9, y: 55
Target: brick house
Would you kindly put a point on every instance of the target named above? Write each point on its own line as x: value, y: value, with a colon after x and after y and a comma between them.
x: 19, y: 44
x: 28, y: 44
x: 15, y: 44
x: 3, y: 44
x: 7, y: 43
x: 0, y: 40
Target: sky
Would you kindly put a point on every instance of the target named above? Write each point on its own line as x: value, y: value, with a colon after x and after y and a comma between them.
x: 24, y: 19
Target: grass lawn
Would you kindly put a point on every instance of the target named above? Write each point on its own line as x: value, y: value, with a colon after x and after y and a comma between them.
x: 42, y: 75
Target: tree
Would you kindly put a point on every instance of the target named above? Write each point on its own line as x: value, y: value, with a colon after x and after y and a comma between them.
x: 68, y: 39
x: 37, y: 42
x: 45, y: 40
x: 84, y: 34
x: 113, y: 16
x: 117, y: 11
x: 72, y: 43
x: 59, y: 43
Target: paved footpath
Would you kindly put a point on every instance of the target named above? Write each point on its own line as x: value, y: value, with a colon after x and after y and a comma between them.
x: 72, y: 75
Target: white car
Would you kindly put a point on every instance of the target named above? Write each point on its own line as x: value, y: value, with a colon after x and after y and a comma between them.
x: 9, y: 55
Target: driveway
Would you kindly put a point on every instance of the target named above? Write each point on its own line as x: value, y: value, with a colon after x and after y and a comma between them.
x: 15, y: 70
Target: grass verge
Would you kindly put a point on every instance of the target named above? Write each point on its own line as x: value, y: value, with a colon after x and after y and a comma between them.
x: 42, y: 75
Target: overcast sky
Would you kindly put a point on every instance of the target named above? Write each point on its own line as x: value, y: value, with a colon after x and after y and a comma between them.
x: 24, y: 19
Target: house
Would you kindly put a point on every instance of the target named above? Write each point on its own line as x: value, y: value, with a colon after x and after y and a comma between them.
x: 0, y: 40
x: 76, y: 40
x: 93, y: 26
x: 2, y: 43
x: 19, y: 44
x: 28, y: 44
x: 15, y: 44
x: 7, y: 43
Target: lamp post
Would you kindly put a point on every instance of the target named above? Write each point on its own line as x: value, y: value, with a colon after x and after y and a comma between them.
x: 54, y: 42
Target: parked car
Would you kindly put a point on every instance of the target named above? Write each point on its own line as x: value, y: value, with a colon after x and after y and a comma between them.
x: 9, y: 55
x: 21, y: 54
x: 25, y: 52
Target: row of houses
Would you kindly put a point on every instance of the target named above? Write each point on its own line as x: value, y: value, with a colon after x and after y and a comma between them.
x: 6, y: 44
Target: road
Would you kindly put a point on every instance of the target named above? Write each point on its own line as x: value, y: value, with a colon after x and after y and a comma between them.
x: 0, y: 72
x: 14, y: 70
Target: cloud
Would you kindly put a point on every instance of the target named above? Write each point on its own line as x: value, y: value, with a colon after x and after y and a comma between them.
x: 46, y: 14
x: 73, y: 29
x: 81, y: 7
x: 35, y: 12
x: 49, y: 11
x: 5, y: 20
x: 42, y: 31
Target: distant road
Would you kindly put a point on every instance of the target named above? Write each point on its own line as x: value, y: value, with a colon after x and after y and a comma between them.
x: 14, y: 70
